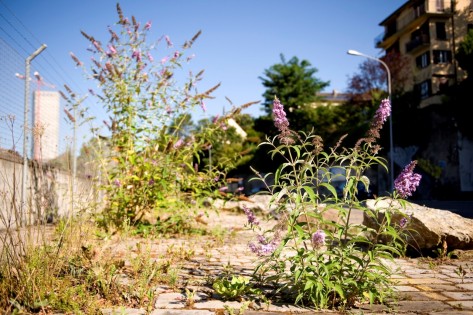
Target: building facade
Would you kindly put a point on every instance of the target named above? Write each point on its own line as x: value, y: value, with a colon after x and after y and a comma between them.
x: 46, y: 125
x: 428, y: 32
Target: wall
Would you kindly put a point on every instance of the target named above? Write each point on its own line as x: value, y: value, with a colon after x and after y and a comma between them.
x: 49, y: 194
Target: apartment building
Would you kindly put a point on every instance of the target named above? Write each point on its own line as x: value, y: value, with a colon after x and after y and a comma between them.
x: 46, y: 125
x: 428, y: 32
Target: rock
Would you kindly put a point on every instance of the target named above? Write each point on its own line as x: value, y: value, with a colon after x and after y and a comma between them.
x: 428, y: 228
x: 256, y: 203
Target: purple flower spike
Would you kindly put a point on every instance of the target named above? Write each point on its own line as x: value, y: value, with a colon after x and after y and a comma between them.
x: 148, y: 25
x: 280, y: 120
x: 383, y: 111
x: 263, y: 246
x: 252, y: 220
x: 407, y: 182
x: 403, y: 223
x: 380, y: 118
x: 318, y: 239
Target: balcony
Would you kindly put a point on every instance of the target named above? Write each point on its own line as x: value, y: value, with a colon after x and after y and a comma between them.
x: 428, y: 7
x: 418, y: 42
x: 410, y: 17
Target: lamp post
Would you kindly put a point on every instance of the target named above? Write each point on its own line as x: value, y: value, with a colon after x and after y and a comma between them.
x: 391, y: 150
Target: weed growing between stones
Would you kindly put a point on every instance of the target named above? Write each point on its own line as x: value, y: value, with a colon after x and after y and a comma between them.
x: 149, y: 151
x: 312, y: 257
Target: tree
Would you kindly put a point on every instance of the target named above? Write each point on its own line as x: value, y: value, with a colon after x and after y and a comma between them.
x: 370, y: 82
x: 295, y: 85
x: 464, y: 54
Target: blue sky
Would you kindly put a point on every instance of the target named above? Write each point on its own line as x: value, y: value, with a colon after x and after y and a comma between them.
x: 240, y: 39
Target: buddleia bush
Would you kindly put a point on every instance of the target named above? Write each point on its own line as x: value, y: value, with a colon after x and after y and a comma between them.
x: 149, y: 152
x: 316, y: 255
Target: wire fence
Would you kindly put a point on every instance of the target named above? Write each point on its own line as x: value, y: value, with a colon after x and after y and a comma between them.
x: 49, y: 132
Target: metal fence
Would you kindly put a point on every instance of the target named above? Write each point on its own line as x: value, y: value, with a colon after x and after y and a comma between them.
x: 34, y: 126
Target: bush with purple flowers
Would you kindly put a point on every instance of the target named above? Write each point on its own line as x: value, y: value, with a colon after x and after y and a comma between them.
x: 146, y: 149
x: 309, y: 256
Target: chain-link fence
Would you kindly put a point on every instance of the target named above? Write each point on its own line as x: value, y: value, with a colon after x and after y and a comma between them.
x: 38, y: 140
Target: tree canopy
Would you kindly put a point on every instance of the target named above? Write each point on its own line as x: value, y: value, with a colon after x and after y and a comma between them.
x: 295, y: 85
x: 465, y: 54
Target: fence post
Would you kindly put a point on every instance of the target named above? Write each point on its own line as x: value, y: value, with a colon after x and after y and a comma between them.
x: 25, y: 128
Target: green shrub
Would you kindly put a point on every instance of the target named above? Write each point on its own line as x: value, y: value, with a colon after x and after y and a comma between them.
x: 316, y: 259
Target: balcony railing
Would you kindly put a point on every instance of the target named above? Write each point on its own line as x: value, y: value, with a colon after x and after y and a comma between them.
x: 417, y: 42
x: 412, y: 13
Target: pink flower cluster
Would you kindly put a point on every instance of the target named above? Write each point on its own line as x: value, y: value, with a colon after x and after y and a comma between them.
x: 280, y: 120
x: 407, y: 182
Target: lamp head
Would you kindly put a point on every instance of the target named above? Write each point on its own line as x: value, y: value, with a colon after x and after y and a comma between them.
x: 353, y: 52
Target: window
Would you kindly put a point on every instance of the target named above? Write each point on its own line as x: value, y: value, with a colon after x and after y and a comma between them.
x: 424, y: 88
x: 441, y: 31
x: 442, y: 56
x: 423, y: 60
x: 439, y: 5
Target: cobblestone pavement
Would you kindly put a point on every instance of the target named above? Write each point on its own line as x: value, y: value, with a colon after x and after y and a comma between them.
x: 433, y: 287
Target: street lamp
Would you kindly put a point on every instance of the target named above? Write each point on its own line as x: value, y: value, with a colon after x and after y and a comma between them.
x: 391, y: 157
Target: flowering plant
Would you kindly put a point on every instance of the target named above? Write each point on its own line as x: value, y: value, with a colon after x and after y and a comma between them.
x: 149, y: 156
x: 318, y: 254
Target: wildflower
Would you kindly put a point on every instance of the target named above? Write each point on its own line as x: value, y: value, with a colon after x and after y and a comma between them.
x: 263, y: 246
x: 151, y: 182
x: 280, y: 120
x: 202, y: 105
x: 136, y: 54
x: 91, y: 92
x: 176, y: 54
x: 252, y: 220
x: 113, y: 34
x: 403, y: 223
x: 77, y: 61
x: 163, y: 61
x: 380, y: 118
x: 113, y: 50
x: 224, y: 188
x: 168, y: 41
x: 150, y: 57
x: 148, y: 25
x: 97, y: 46
x: 117, y: 183
x: 190, y: 57
x: 179, y: 143
x: 407, y: 182
x: 318, y: 239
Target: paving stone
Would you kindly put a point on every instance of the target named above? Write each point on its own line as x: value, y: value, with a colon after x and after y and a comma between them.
x: 420, y: 306
x: 217, y: 304
x: 404, y: 288
x: 462, y: 305
x: 423, y: 281
x: 459, y: 295
x: 170, y: 300
x: 438, y: 287
x: 181, y: 312
x: 466, y: 286
x: 422, y: 296
x: 291, y: 309
x: 457, y: 279
x: 453, y: 312
x: 123, y: 311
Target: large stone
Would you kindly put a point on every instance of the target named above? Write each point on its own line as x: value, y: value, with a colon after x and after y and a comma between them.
x: 428, y: 228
